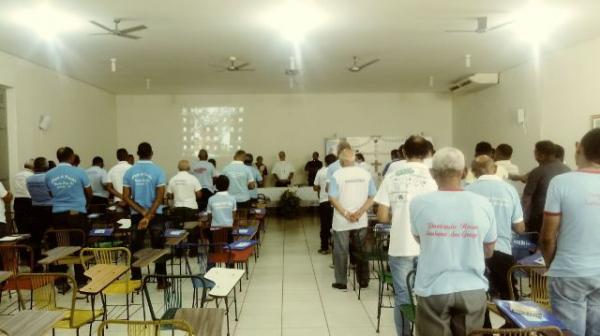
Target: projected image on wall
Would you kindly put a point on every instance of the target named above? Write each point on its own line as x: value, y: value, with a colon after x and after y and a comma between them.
x: 218, y: 129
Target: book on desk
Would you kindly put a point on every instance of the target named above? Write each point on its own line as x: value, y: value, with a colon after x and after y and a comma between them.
x: 174, y: 233
x: 241, y: 244
x: 528, y: 314
x: 245, y: 231
x: 106, y: 232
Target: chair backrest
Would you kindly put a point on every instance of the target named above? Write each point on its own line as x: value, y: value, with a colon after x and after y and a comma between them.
x: 545, y: 331
x: 64, y: 237
x: 143, y: 328
x: 537, y: 283
x: 410, y: 285
x: 106, y: 255
x: 172, y: 295
x: 43, y: 292
x: 11, y: 257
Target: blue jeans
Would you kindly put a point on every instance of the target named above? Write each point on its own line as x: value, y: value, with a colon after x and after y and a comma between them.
x: 576, y: 303
x: 400, y: 267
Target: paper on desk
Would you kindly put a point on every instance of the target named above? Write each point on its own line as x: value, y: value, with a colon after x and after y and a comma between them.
x: 8, y: 238
x: 125, y: 223
x: 112, y: 208
x: 540, y: 261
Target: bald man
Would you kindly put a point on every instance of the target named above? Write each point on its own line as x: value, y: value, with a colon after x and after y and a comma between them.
x: 509, y: 217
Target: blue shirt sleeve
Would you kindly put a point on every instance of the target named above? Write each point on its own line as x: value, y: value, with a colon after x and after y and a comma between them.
x: 85, y: 180
x: 249, y: 174
x: 553, y: 205
x: 372, y: 188
x: 492, y: 233
x: 334, y: 189
x: 518, y: 208
x: 209, y: 205
x: 413, y: 206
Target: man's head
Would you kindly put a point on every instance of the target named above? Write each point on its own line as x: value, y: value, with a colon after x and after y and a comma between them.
x: 203, y: 154
x: 342, y: 146
x: 222, y: 183
x: 122, y: 154
x: 359, y: 157
x: 346, y: 158
x: 76, y: 160
x: 484, y: 148
x: 249, y: 159
x: 259, y: 159
x: 503, y: 152
x: 239, y: 155
x: 401, y: 155
x: 213, y: 162
x: 329, y: 159
x: 415, y: 148
x: 545, y: 151
x: 144, y: 151
x: 40, y: 164
x: 183, y: 165
x: 559, y: 152
x: 130, y: 159
x: 394, y: 154
x: 483, y: 165
x: 28, y: 164
x: 588, y: 150
x: 65, y: 154
x: 430, y: 149
x: 315, y: 156
x: 98, y: 161
x: 448, y: 164
x: 51, y: 164
x: 281, y: 156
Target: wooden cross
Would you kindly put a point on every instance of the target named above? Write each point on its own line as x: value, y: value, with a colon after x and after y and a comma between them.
x: 376, y: 165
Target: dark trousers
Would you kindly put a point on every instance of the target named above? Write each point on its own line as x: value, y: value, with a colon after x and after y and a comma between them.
x: 69, y: 220
x: 203, y: 200
x: 22, y: 218
x: 99, y: 200
x: 282, y: 183
x: 345, y: 244
x: 244, y: 205
x: 156, y: 228
x: 498, y: 266
x: 326, y: 217
x: 181, y: 215
x: 41, y: 220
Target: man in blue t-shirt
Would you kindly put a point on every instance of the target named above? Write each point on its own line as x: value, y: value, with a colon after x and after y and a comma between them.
x: 457, y: 231
x: 144, y: 190
x: 569, y: 240
x: 71, y: 190
x: 41, y: 203
x: 205, y: 172
x: 241, y: 180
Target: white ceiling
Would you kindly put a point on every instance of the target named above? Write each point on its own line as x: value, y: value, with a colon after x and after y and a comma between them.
x: 186, y: 36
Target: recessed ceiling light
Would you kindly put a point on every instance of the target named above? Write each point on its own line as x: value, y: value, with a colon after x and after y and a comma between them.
x: 294, y: 19
x: 537, y: 21
x: 46, y: 21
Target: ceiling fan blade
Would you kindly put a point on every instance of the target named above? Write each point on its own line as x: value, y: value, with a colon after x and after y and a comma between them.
x: 240, y: 66
x: 133, y: 37
x: 482, y: 23
x: 500, y: 25
x: 368, y: 63
x: 245, y: 70
x: 102, y: 26
x: 133, y: 29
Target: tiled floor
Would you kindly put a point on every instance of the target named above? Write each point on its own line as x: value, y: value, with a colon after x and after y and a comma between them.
x: 289, y: 291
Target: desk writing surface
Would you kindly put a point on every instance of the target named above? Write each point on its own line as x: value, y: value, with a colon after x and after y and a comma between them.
x: 204, y: 321
x: 101, y: 276
x: 547, y: 320
x: 30, y: 322
x: 147, y: 256
x: 4, y: 275
x: 535, y: 259
x: 225, y: 280
x: 58, y: 253
x: 174, y: 241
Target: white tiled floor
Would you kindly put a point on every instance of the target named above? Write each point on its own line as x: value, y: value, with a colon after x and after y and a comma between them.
x: 289, y: 291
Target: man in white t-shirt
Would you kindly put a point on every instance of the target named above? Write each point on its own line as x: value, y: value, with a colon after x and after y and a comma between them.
x: 325, y: 209
x: 22, y: 199
x: 351, y: 192
x: 283, y: 171
x: 205, y: 172
x: 114, y: 180
x: 5, y: 199
x: 98, y: 179
x: 185, y: 189
x: 397, y: 190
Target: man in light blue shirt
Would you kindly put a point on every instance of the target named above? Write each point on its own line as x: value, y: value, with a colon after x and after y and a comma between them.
x: 457, y: 231
x: 509, y: 217
x: 98, y: 179
x: 241, y: 180
x: 569, y: 240
x: 221, y: 206
x: 144, y: 190
x: 41, y: 203
x: 205, y: 172
x: 256, y: 174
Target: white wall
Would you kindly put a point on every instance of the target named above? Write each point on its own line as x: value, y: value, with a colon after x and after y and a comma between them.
x: 83, y: 116
x: 296, y: 123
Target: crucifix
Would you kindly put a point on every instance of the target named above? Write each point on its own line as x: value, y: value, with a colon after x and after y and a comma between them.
x: 376, y: 165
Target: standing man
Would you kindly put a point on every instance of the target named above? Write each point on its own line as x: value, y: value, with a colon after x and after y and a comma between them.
x: 569, y: 240
x: 397, y: 190
x: 457, y: 231
x: 257, y: 177
x: 205, y: 172
x: 502, y: 157
x: 241, y: 180
x: 6, y: 198
x: 262, y: 168
x: 114, y: 180
x: 71, y: 191
x: 41, y: 203
x: 143, y: 190
x: 509, y: 217
x: 283, y: 171
x: 351, y: 192
x: 312, y: 167
x: 534, y: 194
x: 22, y: 202
x: 185, y: 189
x: 395, y: 155
x: 325, y: 209
x: 99, y: 179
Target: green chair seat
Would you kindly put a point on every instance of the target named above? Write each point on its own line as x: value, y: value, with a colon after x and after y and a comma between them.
x: 385, y: 277
x: 408, y: 311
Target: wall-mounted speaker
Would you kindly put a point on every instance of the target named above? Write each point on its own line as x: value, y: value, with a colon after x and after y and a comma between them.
x: 44, y: 122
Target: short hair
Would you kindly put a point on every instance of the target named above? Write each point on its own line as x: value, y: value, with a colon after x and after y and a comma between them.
x: 202, y: 154
x: 97, y: 160
x: 401, y: 152
x: 122, y: 154
x: 416, y: 147
x: 259, y: 158
x: 347, y: 156
x: 183, y: 165
x: 559, y: 152
x: 591, y: 145
x: 504, y: 150
x: 281, y: 154
x: 546, y: 148
x: 342, y: 146
x: 40, y: 164
x: 315, y: 153
x: 76, y: 160
x: 448, y: 160
x: 330, y: 158
x: 51, y: 164
x: 394, y: 153
x: 28, y: 164
x: 430, y: 147
x: 249, y: 159
x: 144, y: 150
x: 213, y: 162
x: 64, y: 154
x: 222, y: 183
x: 484, y: 148
x: 482, y: 165
x: 359, y: 156
x: 240, y: 155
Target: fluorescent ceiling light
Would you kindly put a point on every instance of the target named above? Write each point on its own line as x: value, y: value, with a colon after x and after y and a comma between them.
x: 536, y: 22
x: 46, y: 21
x: 294, y: 19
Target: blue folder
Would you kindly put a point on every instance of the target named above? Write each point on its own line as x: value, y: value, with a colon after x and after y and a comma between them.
x: 174, y: 233
x: 241, y: 245
x: 246, y: 231
x: 548, y: 320
x: 101, y: 232
x: 532, y: 260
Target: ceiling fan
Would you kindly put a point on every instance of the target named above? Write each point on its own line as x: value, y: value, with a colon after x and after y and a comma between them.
x: 358, y: 67
x: 126, y: 33
x: 233, y: 67
x: 482, y: 26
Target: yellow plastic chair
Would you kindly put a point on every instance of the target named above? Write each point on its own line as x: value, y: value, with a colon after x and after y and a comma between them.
x: 538, y: 283
x: 43, y: 297
x: 144, y: 328
x: 114, y: 256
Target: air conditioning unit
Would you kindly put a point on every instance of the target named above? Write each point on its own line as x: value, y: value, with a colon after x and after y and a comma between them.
x: 475, y: 82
